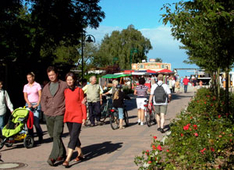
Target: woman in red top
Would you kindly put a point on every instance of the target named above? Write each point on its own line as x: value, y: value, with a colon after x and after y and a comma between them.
x: 75, y: 116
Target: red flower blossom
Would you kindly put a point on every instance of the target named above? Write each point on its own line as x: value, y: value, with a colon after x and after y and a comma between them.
x: 211, y: 104
x: 149, y: 162
x: 154, y: 147
x: 159, y: 148
x: 191, y: 117
x: 168, y: 150
x: 181, y: 134
x: 202, y: 151
x: 220, y: 136
x: 186, y: 127
x: 219, y: 116
x: 212, y: 149
x: 196, y: 134
x: 205, y: 102
x: 195, y: 127
x: 155, y: 137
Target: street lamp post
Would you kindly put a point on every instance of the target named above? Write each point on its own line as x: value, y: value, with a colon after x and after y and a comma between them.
x: 88, y: 38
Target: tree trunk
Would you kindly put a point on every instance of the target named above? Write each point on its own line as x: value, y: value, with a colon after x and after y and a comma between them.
x: 218, y: 84
x: 227, y: 91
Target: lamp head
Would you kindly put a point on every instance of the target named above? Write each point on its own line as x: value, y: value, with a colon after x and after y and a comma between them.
x: 89, y: 39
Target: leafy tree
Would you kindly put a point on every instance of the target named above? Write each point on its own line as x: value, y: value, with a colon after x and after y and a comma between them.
x: 123, y: 48
x: 206, y: 29
x: 159, y: 60
x: 38, y: 33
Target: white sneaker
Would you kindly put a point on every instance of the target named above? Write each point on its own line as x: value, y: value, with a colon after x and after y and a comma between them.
x: 142, y: 123
x: 139, y: 121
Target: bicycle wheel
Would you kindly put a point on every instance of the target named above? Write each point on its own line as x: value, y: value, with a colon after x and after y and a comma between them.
x: 148, y: 118
x: 126, y: 119
x: 114, y: 120
x: 153, y: 119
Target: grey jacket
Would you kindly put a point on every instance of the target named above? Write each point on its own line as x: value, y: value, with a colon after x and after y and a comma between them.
x: 53, y: 105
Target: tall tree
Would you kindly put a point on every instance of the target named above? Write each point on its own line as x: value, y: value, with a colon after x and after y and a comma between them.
x: 206, y: 29
x: 31, y: 32
x: 123, y: 48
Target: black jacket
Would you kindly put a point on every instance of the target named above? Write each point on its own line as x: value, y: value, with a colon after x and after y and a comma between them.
x: 120, y: 101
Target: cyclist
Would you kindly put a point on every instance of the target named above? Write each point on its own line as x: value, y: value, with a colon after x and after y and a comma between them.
x: 118, y: 102
x: 113, y: 89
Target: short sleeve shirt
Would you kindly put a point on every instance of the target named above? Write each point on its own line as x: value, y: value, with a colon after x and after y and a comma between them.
x: 32, y: 92
x: 141, y: 91
x: 165, y: 87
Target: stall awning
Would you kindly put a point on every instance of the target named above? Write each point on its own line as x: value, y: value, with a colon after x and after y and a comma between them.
x: 114, y: 76
x: 165, y: 71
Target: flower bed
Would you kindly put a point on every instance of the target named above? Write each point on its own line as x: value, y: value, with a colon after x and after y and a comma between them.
x: 201, y: 138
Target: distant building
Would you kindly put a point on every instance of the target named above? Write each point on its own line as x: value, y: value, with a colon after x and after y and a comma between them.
x: 152, y: 65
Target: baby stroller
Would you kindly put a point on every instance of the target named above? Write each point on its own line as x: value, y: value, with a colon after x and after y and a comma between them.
x: 16, y: 131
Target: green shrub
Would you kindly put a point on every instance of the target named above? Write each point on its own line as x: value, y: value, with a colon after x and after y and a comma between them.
x: 201, y: 138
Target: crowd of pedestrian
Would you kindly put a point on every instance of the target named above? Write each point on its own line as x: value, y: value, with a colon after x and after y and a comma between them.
x: 64, y: 102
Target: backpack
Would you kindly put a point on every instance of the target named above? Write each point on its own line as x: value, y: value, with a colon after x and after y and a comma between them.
x: 160, y: 94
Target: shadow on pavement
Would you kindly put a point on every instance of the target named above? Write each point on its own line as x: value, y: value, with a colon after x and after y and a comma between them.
x: 180, y: 96
x: 99, y: 149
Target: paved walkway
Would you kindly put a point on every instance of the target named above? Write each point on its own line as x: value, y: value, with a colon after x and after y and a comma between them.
x: 104, y: 148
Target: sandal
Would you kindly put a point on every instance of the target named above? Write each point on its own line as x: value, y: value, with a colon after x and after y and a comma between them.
x: 66, y: 164
x: 79, y: 158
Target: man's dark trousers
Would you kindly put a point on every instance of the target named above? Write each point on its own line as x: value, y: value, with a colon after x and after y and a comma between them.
x: 185, y: 88
x: 94, y: 111
x: 55, y: 129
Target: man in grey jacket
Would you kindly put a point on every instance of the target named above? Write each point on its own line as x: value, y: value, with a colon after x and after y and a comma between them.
x: 53, y: 106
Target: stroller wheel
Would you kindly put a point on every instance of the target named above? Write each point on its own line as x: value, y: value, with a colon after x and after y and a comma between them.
x: 28, y: 142
x: 2, y: 141
x: 1, y: 145
x: 8, y: 144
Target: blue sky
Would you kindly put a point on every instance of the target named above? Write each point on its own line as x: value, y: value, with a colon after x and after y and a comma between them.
x: 145, y: 16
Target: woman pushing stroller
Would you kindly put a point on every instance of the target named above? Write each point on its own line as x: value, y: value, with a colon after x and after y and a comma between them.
x: 32, y: 97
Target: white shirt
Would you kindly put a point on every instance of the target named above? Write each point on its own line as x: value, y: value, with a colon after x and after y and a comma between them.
x: 5, y: 101
x: 165, y: 87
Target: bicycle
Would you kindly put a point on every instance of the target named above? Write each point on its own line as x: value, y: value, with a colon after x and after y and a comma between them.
x: 114, y: 118
x: 105, y: 109
x: 149, y: 114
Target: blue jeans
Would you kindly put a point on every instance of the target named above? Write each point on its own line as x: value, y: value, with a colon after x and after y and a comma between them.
x: 36, y: 120
x: 185, y: 88
x: 120, y: 110
x: 2, y: 123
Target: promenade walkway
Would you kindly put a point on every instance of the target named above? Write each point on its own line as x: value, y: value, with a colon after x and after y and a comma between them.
x: 104, y: 148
